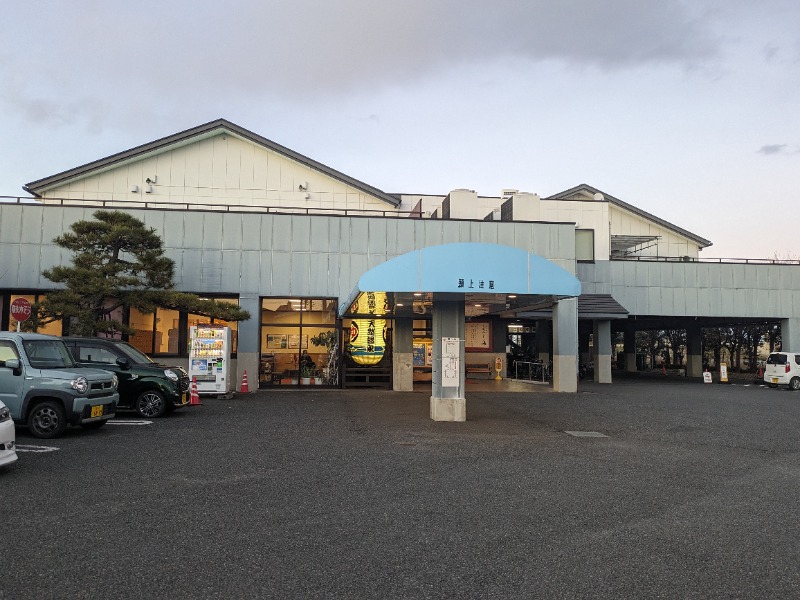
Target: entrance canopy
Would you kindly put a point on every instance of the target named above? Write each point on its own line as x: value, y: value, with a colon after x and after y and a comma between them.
x: 489, y: 277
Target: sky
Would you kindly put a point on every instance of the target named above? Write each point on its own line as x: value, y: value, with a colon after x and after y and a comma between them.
x: 687, y: 110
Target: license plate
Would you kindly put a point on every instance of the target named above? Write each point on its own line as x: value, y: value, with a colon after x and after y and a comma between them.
x: 97, y: 411
x: 184, y: 398
x: 774, y: 380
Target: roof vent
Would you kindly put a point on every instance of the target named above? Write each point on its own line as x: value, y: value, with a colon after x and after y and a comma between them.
x: 507, y: 193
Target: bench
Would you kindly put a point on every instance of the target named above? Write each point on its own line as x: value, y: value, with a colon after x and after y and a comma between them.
x: 479, y: 369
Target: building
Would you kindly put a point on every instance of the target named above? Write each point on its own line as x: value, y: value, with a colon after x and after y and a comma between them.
x: 312, y: 252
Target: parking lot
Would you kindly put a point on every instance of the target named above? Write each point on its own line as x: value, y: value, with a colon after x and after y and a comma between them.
x: 692, y: 493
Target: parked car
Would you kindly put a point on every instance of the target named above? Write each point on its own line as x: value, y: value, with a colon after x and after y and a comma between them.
x: 8, y: 447
x: 145, y: 386
x: 45, y: 390
x: 783, y: 368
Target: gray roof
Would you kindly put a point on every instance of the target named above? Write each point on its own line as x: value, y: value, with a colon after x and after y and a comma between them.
x: 37, y: 187
x: 565, y: 195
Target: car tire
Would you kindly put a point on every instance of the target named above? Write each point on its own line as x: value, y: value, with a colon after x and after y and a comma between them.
x: 47, y: 420
x: 151, y: 404
x: 794, y: 384
x: 93, y: 424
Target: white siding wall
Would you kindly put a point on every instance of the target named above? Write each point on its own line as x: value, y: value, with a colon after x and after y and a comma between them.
x: 220, y: 170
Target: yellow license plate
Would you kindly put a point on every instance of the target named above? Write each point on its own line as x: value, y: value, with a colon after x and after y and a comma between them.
x: 97, y: 411
x: 184, y: 398
x: 774, y: 380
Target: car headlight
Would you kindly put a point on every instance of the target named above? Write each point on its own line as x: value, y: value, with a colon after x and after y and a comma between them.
x: 114, y: 381
x: 171, y: 374
x: 80, y: 385
x: 5, y: 414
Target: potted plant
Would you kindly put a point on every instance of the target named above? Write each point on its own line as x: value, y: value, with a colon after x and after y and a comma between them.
x: 329, y: 339
x: 305, y: 375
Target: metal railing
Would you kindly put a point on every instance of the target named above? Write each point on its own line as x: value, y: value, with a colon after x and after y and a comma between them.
x: 533, y: 370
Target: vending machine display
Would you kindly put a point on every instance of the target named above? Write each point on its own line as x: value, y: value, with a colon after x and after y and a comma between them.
x: 210, y: 358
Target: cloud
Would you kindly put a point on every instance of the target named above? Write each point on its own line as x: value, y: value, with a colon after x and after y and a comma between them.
x: 771, y: 149
x: 181, y: 53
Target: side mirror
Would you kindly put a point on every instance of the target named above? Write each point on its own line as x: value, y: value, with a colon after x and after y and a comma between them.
x: 124, y: 362
x: 14, y: 365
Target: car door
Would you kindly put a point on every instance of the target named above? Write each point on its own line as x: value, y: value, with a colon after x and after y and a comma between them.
x: 98, y: 356
x: 10, y: 383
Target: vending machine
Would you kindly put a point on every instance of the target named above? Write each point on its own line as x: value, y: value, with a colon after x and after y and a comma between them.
x: 210, y: 358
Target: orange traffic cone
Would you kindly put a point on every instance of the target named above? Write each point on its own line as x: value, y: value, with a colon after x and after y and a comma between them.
x: 760, y: 373
x: 663, y: 369
x: 244, y: 387
x: 194, y: 399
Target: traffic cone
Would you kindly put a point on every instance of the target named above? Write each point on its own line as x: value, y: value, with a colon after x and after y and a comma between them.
x: 194, y: 399
x: 663, y: 369
x: 760, y: 373
x: 244, y: 388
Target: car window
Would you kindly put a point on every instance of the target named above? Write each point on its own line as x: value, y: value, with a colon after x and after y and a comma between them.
x: 132, y: 353
x: 47, y: 354
x: 797, y: 359
x: 8, y: 351
x: 95, y: 354
x: 776, y: 359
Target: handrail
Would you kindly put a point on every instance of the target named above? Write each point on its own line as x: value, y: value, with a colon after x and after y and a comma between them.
x: 199, y: 206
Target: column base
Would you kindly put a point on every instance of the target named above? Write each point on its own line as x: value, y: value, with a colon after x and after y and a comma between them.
x: 602, y: 369
x: 448, y: 409
x: 403, y: 372
x: 565, y: 373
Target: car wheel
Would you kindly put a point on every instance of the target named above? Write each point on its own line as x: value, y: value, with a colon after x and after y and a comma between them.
x: 93, y: 424
x: 47, y: 420
x: 151, y: 404
x: 794, y: 384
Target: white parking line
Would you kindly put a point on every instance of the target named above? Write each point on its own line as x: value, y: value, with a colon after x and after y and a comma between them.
x: 129, y: 422
x: 40, y: 449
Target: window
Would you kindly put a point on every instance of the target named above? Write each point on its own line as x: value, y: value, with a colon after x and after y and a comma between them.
x: 584, y: 244
x: 96, y: 355
x: 53, y: 328
x: 8, y: 351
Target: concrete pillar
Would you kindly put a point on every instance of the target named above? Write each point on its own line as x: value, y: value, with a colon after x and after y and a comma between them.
x: 402, y: 355
x: 565, y: 345
x: 249, y: 343
x: 447, y: 403
x: 790, y: 335
x: 630, y: 350
x: 543, y: 330
x: 601, y: 334
x: 694, y: 351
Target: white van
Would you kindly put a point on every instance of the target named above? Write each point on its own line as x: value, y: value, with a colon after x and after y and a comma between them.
x: 783, y: 368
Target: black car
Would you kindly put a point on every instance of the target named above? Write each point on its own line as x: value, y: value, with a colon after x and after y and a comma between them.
x: 147, y: 387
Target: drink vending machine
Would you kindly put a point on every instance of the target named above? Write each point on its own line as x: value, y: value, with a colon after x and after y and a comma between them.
x: 210, y: 358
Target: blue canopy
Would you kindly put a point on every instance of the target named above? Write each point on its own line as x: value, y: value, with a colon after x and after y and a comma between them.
x: 468, y: 268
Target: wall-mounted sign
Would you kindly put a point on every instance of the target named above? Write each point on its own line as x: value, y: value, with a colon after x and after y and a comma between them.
x: 478, y: 336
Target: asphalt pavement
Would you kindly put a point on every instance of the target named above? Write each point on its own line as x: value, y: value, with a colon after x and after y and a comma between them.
x: 664, y: 489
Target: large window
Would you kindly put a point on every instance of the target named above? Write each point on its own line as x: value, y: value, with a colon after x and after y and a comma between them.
x: 166, y: 332
x: 299, y: 342
x: 10, y: 323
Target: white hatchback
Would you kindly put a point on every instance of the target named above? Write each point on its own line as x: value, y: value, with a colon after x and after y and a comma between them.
x: 8, y: 446
x: 783, y: 368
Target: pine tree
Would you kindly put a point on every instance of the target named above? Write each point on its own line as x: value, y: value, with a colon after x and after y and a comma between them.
x: 118, y: 262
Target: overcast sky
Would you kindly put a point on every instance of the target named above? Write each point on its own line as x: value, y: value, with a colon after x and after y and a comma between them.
x: 688, y: 110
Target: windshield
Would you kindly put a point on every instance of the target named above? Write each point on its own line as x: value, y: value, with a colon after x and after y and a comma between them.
x: 132, y: 353
x: 48, y: 354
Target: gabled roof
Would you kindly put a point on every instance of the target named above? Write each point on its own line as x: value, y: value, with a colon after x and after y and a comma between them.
x: 202, y: 131
x: 570, y: 193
